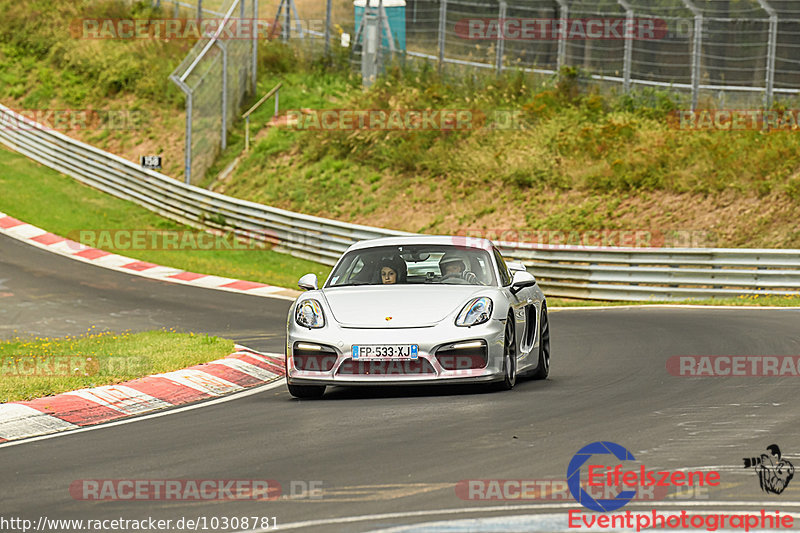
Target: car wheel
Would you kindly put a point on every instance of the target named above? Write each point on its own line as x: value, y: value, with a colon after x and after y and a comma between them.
x: 543, y: 368
x: 509, y: 357
x: 306, y: 391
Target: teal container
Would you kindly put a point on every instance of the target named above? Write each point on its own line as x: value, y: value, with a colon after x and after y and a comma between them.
x: 395, y: 13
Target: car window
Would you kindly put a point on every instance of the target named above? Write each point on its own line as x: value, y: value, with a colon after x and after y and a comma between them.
x: 505, y: 275
x: 415, y: 264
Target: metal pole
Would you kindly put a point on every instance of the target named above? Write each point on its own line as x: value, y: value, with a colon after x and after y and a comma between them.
x: 328, y: 29
x: 277, y: 100
x: 187, y: 150
x: 379, y: 53
x: 199, y: 9
x: 188, y: 146
x: 287, y: 29
x: 247, y: 134
x: 442, y: 26
x: 628, y: 53
x: 498, y: 60
x: 771, y: 51
x: 697, y: 50
x: 563, y: 15
x: 224, y: 133
x: 255, y: 49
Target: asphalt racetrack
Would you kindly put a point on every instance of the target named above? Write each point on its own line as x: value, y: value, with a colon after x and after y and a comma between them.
x: 385, y: 458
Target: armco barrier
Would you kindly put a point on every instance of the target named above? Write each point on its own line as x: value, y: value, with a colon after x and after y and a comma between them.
x: 605, y: 273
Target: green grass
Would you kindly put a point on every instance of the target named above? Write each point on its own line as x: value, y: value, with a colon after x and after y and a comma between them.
x: 61, y: 205
x: 36, y: 367
x: 755, y: 300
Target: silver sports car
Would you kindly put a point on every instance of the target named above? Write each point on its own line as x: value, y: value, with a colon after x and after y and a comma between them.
x: 417, y: 310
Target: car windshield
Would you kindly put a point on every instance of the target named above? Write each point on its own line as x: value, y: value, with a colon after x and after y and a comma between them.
x: 414, y: 264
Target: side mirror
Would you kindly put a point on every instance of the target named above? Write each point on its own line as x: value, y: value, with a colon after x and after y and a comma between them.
x: 516, y: 266
x: 522, y: 279
x: 308, y: 282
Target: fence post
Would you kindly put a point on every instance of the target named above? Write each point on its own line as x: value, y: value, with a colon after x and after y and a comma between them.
x: 255, y: 48
x: 697, y: 50
x: 287, y: 28
x: 442, y: 27
x: 628, y: 53
x: 199, y: 9
x: 379, y: 53
x: 224, y: 132
x: 771, y: 51
x: 498, y: 62
x: 187, y: 151
x: 563, y: 15
x: 328, y: 30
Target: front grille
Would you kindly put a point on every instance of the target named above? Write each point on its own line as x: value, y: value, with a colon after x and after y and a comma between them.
x: 386, y: 368
x: 310, y: 359
x: 461, y: 356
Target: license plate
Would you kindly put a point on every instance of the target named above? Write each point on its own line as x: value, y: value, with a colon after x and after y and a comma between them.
x: 383, y: 352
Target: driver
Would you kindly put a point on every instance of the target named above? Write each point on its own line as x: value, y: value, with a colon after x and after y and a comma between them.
x: 452, y: 266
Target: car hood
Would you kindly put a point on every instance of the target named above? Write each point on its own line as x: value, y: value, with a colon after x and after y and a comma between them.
x: 400, y: 306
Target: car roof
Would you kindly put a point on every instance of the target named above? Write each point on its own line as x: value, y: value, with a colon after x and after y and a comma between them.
x: 453, y: 240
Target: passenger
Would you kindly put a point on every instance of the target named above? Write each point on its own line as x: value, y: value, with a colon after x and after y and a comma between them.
x: 388, y: 275
x: 392, y: 271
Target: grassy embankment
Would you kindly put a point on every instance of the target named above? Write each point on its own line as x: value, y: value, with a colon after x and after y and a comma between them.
x: 37, y: 367
x: 581, y: 161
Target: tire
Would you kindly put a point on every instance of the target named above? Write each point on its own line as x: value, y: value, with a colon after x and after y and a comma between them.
x: 543, y: 367
x: 306, y: 391
x: 509, y: 357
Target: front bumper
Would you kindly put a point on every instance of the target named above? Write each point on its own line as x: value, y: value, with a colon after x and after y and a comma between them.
x: 428, y: 369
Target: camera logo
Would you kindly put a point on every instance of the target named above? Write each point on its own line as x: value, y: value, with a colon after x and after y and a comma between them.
x: 774, y: 473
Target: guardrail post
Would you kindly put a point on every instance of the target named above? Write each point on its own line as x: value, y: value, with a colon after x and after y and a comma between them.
x: 771, y: 51
x: 628, y: 53
x: 498, y: 62
x: 442, y: 27
x: 697, y: 50
x: 563, y: 15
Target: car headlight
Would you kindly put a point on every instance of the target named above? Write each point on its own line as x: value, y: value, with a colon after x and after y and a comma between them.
x: 309, y: 314
x: 476, y: 312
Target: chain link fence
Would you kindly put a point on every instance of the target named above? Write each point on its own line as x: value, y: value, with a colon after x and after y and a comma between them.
x: 215, y: 77
x: 734, y: 52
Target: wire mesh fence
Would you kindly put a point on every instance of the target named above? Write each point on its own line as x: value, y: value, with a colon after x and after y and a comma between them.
x: 215, y: 77
x: 730, y: 51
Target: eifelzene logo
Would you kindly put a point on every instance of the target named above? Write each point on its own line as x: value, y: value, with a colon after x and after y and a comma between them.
x: 774, y: 472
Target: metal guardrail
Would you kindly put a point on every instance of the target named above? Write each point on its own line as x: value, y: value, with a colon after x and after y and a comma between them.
x: 605, y: 273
